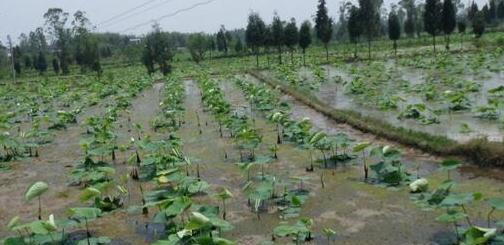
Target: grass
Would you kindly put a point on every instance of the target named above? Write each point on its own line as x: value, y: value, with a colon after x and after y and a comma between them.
x: 479, y: 151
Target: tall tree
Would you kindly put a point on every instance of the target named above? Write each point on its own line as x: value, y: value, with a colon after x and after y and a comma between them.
x: 291, y: 37
x: 432, y: 19
x: 492, y: 11
x: 222, y: 42
x: 411, y: 13
x: 448, y: 20
x: 478, y: 24
x: 369, y: 16
x: 254, y: 35
x: 238, y: 46
x: 197, y: 45
x: 323, y: 26
x: 354, y: 27
x: 394, y: 29
x: 55, y: 65
x: 305, y: 38
x: 471, y: 12
x: 56, y: 20
x: 159, y: 49
x: 278, y: 35
x: 500, y: 10
x: 486, y: 14
x: 461, y: 26
x: 41, y: 63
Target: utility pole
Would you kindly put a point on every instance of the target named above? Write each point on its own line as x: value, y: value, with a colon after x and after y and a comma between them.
x: 12, y: 58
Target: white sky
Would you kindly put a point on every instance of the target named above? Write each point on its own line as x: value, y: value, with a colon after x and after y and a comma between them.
x: 22, y: 16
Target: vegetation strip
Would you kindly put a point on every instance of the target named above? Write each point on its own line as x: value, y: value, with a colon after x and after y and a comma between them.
x: 480, y: 151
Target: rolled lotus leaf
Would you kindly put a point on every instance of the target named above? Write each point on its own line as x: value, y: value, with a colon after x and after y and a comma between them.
x: 419, y: 185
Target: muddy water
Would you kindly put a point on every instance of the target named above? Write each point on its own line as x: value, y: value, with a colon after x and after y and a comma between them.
x: 365, y: 214
x: 334, y: 95
x: 60, y: 157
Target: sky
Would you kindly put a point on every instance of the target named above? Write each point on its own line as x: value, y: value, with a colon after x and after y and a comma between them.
x: 23, y: 16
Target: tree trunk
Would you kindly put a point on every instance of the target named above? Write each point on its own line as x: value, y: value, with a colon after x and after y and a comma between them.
x: 304, y: 57
x: 434, y: 42
x: 395, y: 48
x: 448, y: 42
x: 355, y: 50
x: 327, y: 51
x: 369, y: 49
x: 257, y: 59
x: 280, y: 55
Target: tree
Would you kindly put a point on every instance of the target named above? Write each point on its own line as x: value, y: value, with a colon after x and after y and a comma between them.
x: 277, y: 28
x: 159, y: 49
x: 197, y: 45
x: 17, y: 59
x: 254, y: 34
x: 500, y: 10
x: 55, y: 22
x: 448, y: 20
x: 461, y: 26
x: 305, y: 38
x: 354, y: 27
x: 222, y: 43
x: 369, y: 17
x: 492, y: 11
x: 486, y: 14
x: 471, y: 12
x: 432, y: 18
x: 411, y: 13
x: 27, y: 61
x: 394, y: 29
x: 211, y: 44
x: 478, y: 24
x: 323, y: 26
x: 238, y: 46
x: 41, y: 63
x: 291, y: 37
x: 55, y: 65
x: 409, y: 27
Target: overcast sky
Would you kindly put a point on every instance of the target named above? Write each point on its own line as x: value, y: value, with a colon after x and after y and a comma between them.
x: 22, y: 16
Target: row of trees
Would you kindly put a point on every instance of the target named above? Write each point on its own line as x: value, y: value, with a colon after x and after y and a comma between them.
x: 63, y: 42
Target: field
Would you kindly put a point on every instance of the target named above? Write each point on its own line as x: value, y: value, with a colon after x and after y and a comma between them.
x: 257, y: 156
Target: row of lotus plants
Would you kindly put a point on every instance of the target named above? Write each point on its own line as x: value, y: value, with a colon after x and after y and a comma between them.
x: 176, y: 182
x: 102, y: 190
x: 264, y: 189
x: 32, y: 111
x: 388, y: 170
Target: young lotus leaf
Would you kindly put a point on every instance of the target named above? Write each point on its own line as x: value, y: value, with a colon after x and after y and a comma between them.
x: 178, y: 206
x: 213, y: 241
x: 13, y: 222
x: 460, y: 199
x: 89, y: 193
x: 419, y: 185
x: 225, y: 194
x: 35, y: 190
x: 478, y: 235
x: 197, y: 221
x: 95, y: 241
x: 361, y: 147
x: 497, y: 203
x: 85, y: 213
x: 450, y: 164
x: 451, y: 216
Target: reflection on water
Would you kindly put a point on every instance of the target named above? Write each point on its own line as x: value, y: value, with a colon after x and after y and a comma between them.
x: 333, y: 93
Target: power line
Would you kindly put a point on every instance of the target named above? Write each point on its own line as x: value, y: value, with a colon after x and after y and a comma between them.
x: 137, y: 13
x: 169, y: 15
x: 126, y: 12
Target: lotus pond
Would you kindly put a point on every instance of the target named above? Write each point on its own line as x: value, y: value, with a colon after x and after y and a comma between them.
x: 226, y: 159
